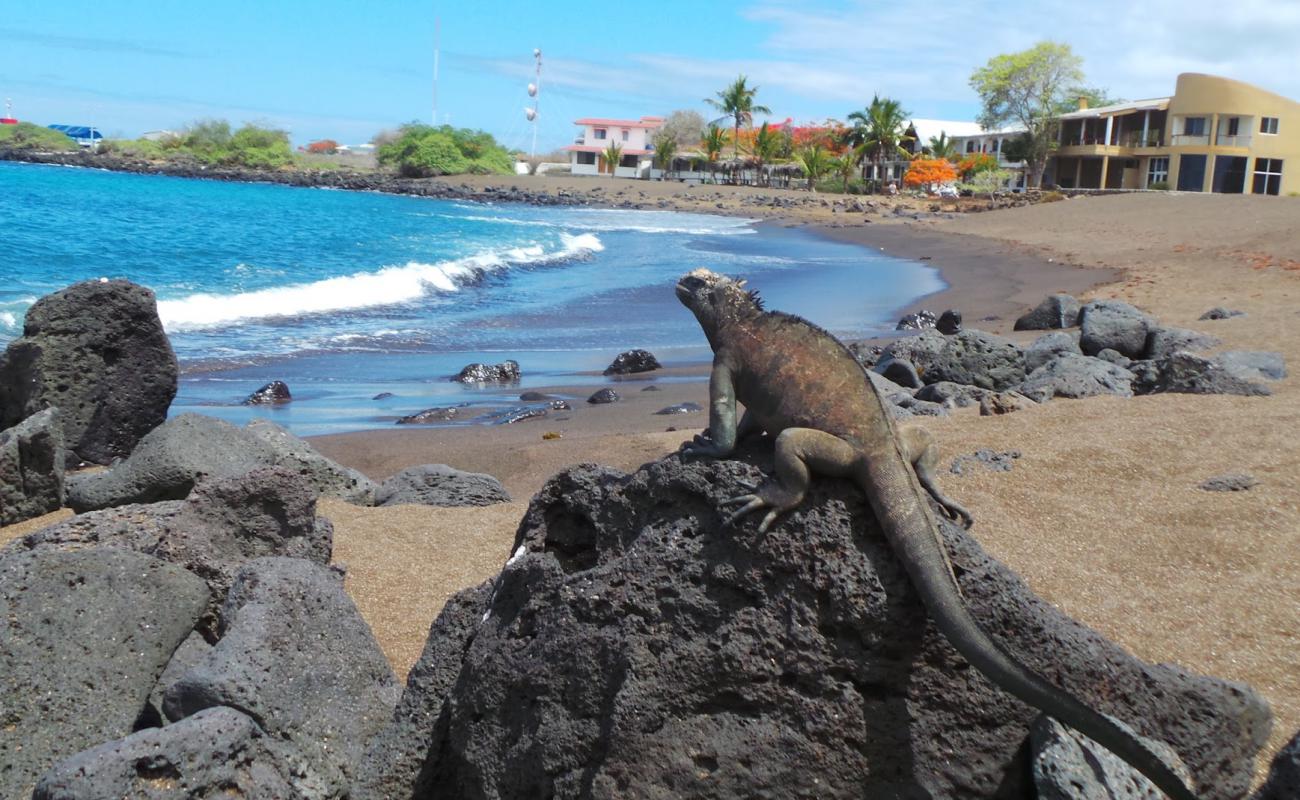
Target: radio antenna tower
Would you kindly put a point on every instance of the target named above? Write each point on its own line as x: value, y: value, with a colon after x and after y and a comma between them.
x: 534, y: 91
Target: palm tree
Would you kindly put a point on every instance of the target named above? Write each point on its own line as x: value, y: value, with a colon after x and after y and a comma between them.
x: 878, y: 131
x: 767, y: 144
x: 845, y: 166
x: 737, y: 102
x: 665, y: 151
x: 815, y: 162
x: 715, y: 139
x: 613, y: 153
x: 941, y: 146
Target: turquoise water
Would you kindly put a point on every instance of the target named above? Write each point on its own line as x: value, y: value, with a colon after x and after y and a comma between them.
x: 344, y: 295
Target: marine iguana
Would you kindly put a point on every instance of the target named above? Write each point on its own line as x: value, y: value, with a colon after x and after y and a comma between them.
x: 801, y: 385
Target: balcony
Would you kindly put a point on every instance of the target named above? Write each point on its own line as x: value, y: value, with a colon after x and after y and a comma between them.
x: 1242, y: 140
x: 1191, y: 139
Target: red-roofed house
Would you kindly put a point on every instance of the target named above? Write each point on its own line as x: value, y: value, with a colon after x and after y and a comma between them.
x: 587, y: 153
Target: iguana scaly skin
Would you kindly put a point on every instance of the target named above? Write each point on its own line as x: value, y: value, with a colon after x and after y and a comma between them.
x: 798, y: 383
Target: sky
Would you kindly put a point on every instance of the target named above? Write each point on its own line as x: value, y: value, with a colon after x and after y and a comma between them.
x: 327, y: 69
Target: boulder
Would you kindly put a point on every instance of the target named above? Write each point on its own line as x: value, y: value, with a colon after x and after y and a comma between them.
x: 1056, y: 311
x: 1069, y: 766
x: 636, y: 646
x: 1187, y: 373
x: 949, y: 322
x: 979, y: 359
x: 1116, y: 358
x: 31, y: 467
x: 1047, y: 347
x: 1283, y: 782
x: 1113, y: 324
x: 84, y: 637
x: 440, y: 485
x: 899, y: 371
x: 393, y: 766
x: 998, y: 403
x: 920, y: 350
x: 505, y: 372
x: 191, y: 447
x: 952, y: 395
x: 225, y: 522
x: 1162, y: 341
x: 190, y: 654
x: 1252, y: 365
x: 215, y: 753
x: 1074, y: 376
x: 603, y: 396
x: 97, y: 352
x: 297, y: 657
x: 632, y: 361
x: 920, y: 321
x: 432, y: 415
x: 273, y: 393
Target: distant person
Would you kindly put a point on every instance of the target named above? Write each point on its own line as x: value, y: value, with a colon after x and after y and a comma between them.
x: 891, y: 188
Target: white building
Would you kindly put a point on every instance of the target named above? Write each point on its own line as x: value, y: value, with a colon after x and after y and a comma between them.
x: 634, y: 138
x: 968, y: 139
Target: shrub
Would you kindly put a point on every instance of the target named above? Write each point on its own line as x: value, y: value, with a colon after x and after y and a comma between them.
x: 1159, y: 186
x: 27, y: 136
x: 418, y: 150
x: 134, y: 148
x: 926, y: 172
x: 259, y: 148
x: 207, y: 140
x: 326, y: 146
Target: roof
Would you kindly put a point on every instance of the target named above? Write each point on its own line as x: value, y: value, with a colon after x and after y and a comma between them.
x: 77, y: 131
x: 1153, y: 104
x: 591, y: 148
x: 644, y: 122
x: 931, y: 128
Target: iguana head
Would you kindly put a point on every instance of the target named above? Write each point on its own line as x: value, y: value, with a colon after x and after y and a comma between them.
x: 716, y: 299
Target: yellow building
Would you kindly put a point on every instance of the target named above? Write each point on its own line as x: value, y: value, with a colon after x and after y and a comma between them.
x: 1212, y: 135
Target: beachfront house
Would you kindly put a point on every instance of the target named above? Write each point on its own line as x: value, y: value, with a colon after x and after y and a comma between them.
x: 970, y: 139
x: 635, y: 139
x: 1212, y: 135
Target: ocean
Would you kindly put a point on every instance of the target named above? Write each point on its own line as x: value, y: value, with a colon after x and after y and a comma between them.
x: 347, y: 295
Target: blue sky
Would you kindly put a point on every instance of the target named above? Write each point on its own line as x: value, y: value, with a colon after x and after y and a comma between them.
x: 348, y: 70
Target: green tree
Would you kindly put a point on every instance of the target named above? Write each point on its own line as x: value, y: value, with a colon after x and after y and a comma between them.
x: 845, y: 166
x: 260, y: 148
x: 685, y: 126
x: 613, y: 154
x: 665, y: 150
x: 737, y: 102
x: 941, y: 146
x: 715, y: 139
x: 1029, y: 88
x: 421, y: 151
x: 879, y: 131
x: 208, y: 140
x: 767, y: 147
x: 990, y: 182
x: 815, y: 161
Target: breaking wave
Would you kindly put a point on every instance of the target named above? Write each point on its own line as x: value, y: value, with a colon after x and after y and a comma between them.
x: 383, y: 287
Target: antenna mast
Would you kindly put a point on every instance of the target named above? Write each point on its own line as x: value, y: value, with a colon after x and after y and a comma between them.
x: 437, y: 31
x: 534, y: 91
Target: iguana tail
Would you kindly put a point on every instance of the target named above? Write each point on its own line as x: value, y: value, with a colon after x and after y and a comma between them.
x: 898, y: 502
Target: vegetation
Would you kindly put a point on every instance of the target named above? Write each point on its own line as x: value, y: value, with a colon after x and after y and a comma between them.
x: 974, y: 164
x: 815, y: 161
x: 665, y: 150
x: 845, y: 166
x: 613, y: 154
x: 990, y: 181
x: 1030, y: 88
x: 422, y: 151
x: 929, y: 172
x: 879, y: 130
x: 325, y: 146
x: 766, y: 148
x: 684, y: 127
x: 941, y: 146
x: 26, y: 136
x: 737, y: 102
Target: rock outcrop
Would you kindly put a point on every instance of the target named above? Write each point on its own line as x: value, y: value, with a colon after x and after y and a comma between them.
x: 31, y: 467
x: 505, y: 372
x: 97, y: 352
x: 632, y: 361
x: 1056, y: 311
x: 633, y: 646
x: 273, y: 393
x: 440, y: 485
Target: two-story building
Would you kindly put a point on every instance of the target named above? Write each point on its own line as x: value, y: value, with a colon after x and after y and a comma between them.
x: 633, y: 137
x: 968, y: 138
x: 1213, y: 135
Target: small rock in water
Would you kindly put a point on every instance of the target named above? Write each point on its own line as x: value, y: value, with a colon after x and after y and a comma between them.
x: 441, y: 414
x: 632, y: 361
x: 1237, y: 482
x: 651, y: 388
x: 996, y: 461
x: 505, y: 372
x: 604, y: 396
x: 949, y: 322
x: 535, y: 397
x: 919, y: 321
x: 559, y: 405
x: 272, y: 393
x: 682, y: 408
x: 383, y: 396
x: 513, y: 415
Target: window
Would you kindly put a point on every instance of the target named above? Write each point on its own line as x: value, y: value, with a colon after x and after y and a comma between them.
x: 970, y: 145
x: 1268, y: 125
x: 598, y: 133
x: 1191, y: 173
x: 1232, y: 125
x: 625, y: 134
x: 1157, y: 171
x: 628, y: 161
x: 1194, y: 126
x: 586, y: 158
x: 1268, y: 176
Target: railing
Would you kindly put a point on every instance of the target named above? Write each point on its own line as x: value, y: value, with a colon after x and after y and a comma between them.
x: 1241, y: 140
x: 1181, y: 139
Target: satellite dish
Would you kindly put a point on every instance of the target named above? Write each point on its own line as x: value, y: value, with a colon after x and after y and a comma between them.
x: 537, y: 52
x: 531, y: 113
x: 532, y: 90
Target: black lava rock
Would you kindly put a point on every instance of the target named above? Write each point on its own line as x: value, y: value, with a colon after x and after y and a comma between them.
x: 921, y: 320
x: 273, y: 393
x: 603, y: 396
x: 632, y: 361
x: 505, y: 372
x: 949, y: 322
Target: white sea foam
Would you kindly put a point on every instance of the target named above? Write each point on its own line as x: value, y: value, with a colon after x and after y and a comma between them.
x: 387, y: 286
x: 8, y: 320
x: 605, y: 220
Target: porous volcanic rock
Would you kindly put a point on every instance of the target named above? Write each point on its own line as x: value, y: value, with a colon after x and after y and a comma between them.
x: 603, y: 396
x: 505, y: 372
x: 83, y: 638
x: 297, y: 657
x: 97, y: 352
x: 1069, y: 766
x: 1219, y: 312
x: 215, y: 753
x: 1049, y: 346
x: 1162, y: 341
x: 1056, y: 311
x: 1283, y: 782
x: 191, y: 447
x: 1115, y: 325
x: 949, y: 322
x: 636, y: 647
x: 431, y: 415
x: 1253, y: 365
x: 920, y: 350
x: 978, y: 359
x: 631, y: 362
x: 1187, y: 373
x: 273, y: 393
x: 920, y: 321
x: 1074, y: 376
x: 952, y: 395
x: 440, y: 485
x: 31, y: 467
x: 899, y: 371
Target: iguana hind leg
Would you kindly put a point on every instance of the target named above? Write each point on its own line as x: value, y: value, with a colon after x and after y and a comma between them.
x: 799, y: 453
x: 919, y: 448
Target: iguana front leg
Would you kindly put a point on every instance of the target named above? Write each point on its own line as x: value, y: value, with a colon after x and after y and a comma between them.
x: 799, y: 453
x: 723, y: 426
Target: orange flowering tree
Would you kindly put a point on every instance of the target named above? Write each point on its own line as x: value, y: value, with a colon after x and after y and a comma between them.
x: 926, y: 172
x: 323, y: 146
x: 976, y: 163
